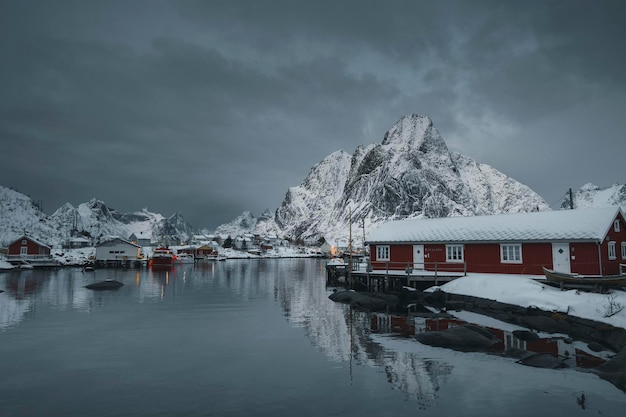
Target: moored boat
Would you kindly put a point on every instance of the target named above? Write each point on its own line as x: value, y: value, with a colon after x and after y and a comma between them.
x: 162, y: 257
x: 586, y: 280
x: 185, y: 258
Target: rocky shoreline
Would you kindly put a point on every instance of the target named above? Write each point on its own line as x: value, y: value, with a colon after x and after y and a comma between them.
x: 597, y: 335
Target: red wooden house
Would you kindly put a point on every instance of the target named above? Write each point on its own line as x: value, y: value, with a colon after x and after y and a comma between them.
x: 585, y: 241
x: 27, y: 247
x: 29, y: 251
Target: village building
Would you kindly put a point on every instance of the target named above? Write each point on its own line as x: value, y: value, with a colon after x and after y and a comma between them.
x: 584, y: 241
x: 117, y: 252
x: 27, y: 247
x: 77, y: 243
x: 206, y: 251
x: 28, y: 250
x: 140, y: 240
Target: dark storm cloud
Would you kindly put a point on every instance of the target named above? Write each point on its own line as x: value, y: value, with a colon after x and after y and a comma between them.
x: 212, y: 108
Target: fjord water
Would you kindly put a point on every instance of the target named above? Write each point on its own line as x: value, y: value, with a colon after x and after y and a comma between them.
x: 246, y: 338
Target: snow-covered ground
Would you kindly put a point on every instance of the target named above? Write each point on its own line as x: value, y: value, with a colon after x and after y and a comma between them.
x: 524, y: 291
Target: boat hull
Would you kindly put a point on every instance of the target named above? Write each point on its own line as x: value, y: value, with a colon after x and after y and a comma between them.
x: 574, y: 279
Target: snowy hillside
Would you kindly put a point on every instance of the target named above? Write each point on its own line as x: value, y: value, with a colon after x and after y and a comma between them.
x: 591, y: 195
x: 18, y: 213
x: 94, y: 220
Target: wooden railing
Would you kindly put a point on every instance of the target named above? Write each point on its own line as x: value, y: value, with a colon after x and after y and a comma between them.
x: 410, y: 268
x: 28, y: 257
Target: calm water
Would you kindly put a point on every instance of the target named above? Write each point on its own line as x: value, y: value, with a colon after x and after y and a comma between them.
x: 246, y: 338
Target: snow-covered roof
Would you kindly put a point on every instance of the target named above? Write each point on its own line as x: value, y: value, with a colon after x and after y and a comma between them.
x: 590, y: 224
x: 111, y: 239
x: 37, y: 242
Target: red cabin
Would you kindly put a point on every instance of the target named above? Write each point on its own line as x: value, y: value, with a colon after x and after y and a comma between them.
x: 584, y: 241
x: 27, y: 248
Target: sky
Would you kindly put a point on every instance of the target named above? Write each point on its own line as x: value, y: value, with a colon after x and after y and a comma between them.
x: 212, y: 108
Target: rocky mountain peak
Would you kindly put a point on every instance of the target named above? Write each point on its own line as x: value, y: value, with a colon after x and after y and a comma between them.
x: 411, y: 173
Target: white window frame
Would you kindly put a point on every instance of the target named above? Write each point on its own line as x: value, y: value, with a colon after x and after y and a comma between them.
x: 455, y: 253
x: 24, y: 250
x: 383, y: 252
x: 511, y: 253
x: 623, y: 250
x: 611, y: 247
x: 616, y: 225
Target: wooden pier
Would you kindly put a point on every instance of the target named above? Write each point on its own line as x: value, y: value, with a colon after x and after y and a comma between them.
x: 362, y: 277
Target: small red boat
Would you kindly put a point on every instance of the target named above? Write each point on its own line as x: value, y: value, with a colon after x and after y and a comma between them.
x: 162, y: 257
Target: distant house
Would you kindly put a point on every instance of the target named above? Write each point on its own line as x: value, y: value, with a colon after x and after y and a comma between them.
x: 328, y: 249
x: 206, y: 251
x: 78, y: 242
x: 27, y: 247
x: 29, y: 250
x: 585, y: 241
x: 117, y: 252
x: 139, y: 240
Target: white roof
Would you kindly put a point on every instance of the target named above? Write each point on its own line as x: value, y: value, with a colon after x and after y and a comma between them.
x: 590, y: 224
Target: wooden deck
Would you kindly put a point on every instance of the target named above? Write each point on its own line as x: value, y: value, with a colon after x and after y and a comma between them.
x: 363, y: 277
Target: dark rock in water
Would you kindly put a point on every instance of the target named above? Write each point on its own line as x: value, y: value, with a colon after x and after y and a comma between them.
x: 543, y: 360
x: 516, y: 353
x: 614, y: 370
x: 526, y: 335
x: 595, y: 347
x: 366, y: 301
x: 466, y: 337
x: 109, y: 284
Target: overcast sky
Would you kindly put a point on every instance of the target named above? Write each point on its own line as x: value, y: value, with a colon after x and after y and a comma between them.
x: 210, y: 108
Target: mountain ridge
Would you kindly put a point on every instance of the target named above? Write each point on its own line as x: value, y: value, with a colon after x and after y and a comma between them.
x: 411, y: 173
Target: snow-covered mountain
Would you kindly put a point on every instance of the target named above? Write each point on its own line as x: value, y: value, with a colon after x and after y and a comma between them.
x: 247, y: 223
x: 410, y: 174
x: 590, y: 195
x: 94, y: 219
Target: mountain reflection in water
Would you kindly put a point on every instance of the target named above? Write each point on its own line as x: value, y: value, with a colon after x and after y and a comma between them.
x: 251, y: 337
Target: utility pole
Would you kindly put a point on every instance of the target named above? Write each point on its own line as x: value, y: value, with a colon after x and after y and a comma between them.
x: 350, y: 249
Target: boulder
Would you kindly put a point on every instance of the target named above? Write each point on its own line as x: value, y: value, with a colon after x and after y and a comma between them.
x: 526, y: 335
x: 542, y: 360
x: 466, y: 337
x: 614, y: 370
x: 109, y: 284
x: 366, y: 301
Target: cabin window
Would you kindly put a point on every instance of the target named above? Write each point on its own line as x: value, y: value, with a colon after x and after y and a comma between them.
x: 616, y: 225
x: 24, y: 250
x: 623, y: 250
x: 454, y: 253
x: 382, y: 253
x: 24, y: 242
x: 612, y: 250
x: 511, y: 253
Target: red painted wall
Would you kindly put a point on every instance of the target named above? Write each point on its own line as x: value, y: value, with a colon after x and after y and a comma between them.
x: 611, y: 266
x: 584, y: 258
x: 400, y: 256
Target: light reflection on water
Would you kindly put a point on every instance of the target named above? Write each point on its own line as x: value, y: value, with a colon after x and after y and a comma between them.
x: 244, y: 337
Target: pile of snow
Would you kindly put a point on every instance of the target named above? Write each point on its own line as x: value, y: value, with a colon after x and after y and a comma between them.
x: 5, y: 265
x: 527, y: 292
